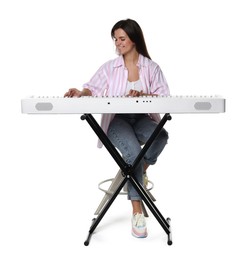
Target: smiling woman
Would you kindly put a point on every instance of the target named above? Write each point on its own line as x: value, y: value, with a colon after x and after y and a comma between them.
x: 132, y: 74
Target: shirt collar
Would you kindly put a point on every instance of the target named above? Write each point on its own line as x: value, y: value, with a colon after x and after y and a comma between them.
x: 142, y: 61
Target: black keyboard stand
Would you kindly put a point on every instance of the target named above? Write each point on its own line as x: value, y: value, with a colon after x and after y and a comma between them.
x: 128, y: 170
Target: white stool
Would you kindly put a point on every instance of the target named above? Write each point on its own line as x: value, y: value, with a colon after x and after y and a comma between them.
x: 115, y: 182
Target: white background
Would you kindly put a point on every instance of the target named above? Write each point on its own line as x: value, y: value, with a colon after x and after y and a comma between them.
x: 50, y: 165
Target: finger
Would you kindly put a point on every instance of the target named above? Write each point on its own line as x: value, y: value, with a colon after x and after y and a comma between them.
x: 133, y: 93
x: 69, y: 93
x: 66, y: 94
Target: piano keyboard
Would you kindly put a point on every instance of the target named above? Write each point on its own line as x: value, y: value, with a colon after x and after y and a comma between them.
x: 102, y: 105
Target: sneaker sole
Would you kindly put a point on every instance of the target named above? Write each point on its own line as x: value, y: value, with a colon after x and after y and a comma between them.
x: 140, y: 235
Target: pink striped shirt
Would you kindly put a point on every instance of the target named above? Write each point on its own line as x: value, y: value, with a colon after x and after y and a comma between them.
x: 111, y: 80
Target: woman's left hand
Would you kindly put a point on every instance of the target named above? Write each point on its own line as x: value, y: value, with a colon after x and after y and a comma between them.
x: 134, y: 93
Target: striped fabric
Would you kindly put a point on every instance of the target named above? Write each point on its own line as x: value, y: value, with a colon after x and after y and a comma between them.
x: 111, y: 80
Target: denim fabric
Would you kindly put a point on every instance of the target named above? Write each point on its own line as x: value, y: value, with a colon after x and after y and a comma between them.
x: 127, y: 132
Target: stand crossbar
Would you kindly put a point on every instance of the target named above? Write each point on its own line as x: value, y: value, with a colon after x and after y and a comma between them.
x: 128, y: 171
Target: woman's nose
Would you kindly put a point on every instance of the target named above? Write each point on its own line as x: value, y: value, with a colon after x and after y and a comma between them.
x: 118, y: 42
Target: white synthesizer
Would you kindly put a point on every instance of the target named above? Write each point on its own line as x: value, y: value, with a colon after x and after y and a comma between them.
x: 106, y: 105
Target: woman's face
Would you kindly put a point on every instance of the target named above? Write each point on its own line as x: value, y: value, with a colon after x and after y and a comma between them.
x: 123, y: 43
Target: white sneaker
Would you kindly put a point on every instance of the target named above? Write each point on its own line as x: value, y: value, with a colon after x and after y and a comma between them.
x: 139, y: 226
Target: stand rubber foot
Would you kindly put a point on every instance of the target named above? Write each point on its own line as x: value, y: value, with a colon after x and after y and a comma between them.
x: 169, y: 235
x: 86, y: 243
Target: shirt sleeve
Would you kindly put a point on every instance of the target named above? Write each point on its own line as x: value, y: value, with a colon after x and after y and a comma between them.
x: 99, y: 82
x: 159, y: 83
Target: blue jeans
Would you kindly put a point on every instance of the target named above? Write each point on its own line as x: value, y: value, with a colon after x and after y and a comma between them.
x: 127, y: 132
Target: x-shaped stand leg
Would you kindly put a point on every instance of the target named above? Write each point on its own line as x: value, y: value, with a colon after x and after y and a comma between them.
x: 128, y: 170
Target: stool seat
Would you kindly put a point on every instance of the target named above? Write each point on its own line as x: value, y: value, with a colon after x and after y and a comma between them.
x: 114, y: 183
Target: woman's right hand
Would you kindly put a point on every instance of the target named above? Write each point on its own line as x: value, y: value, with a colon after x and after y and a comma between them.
x: 73, y: 92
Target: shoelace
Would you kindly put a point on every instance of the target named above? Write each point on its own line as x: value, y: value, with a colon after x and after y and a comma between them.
x: 139, y: 220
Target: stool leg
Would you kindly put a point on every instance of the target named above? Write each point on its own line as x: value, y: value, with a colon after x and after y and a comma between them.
x: 151, y: 196
x: 115, y: 183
